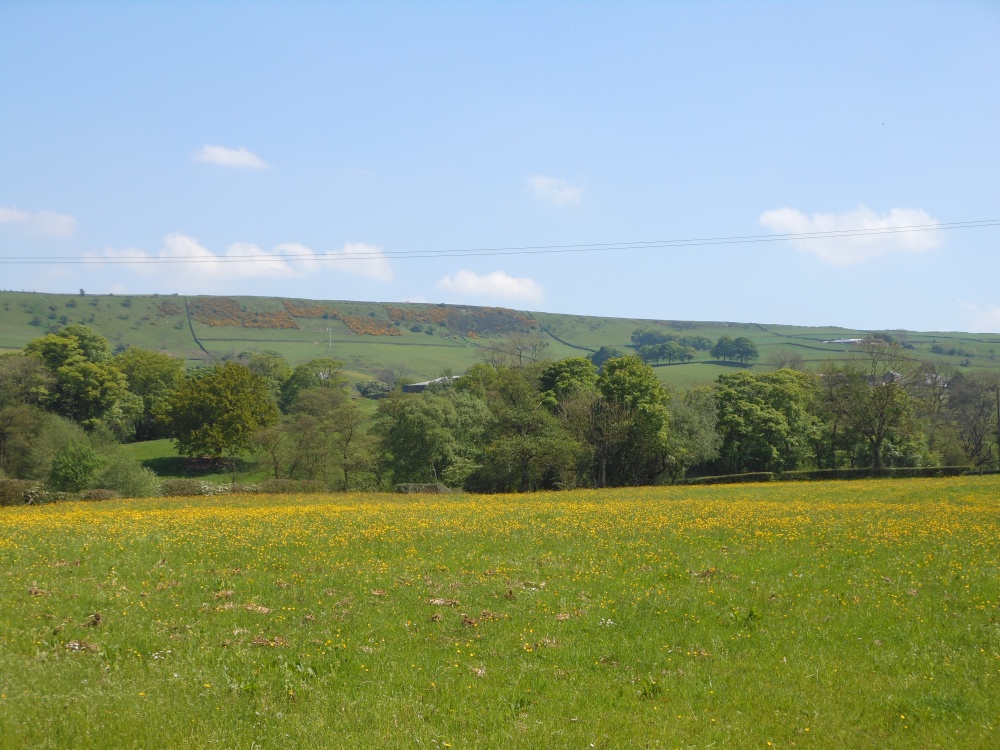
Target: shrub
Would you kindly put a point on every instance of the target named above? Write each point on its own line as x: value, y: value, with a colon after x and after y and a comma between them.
x: 99, y: 494
x: 240, y: 488
x: 868, y: 473
x: 756, y: 476
x: 190, y: 488
x: 373, y: 389
x: 19, y: 491
x: 291, y: 486
x: 432, y: 488
x: 129, y: 478
x: 74, y: 467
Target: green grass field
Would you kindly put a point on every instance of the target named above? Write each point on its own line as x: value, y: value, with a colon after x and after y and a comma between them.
x: 163, y: 323
x: 834, y: 615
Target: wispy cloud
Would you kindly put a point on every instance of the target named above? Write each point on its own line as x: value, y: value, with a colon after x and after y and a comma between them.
x: 229, y: 157
x: 39, y: 223
x: 198, y: 266
x: 554, y: 190
x: 362, y: 260
x: 983, y: 319
x: 495, y: 285
x: 858, y: 248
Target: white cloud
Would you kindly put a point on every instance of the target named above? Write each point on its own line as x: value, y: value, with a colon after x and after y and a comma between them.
x: 361, y: 259
x: 495, y: 285
x: 554, y: 190
x: 846, y: 250
x: 229, y: 157
x: 39, y: 223
x: 205, y: 269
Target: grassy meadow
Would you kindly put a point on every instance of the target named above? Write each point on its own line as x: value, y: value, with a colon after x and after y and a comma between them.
x: 861, y: 614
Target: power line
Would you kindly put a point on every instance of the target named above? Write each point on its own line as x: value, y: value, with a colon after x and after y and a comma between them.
x: 494, y: 251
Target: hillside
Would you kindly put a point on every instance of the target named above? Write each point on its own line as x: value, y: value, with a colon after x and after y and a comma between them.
x: 421, y: 341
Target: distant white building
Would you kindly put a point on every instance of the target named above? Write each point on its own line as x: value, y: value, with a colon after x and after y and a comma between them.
x: 421, y: 387
x: 842, y: 341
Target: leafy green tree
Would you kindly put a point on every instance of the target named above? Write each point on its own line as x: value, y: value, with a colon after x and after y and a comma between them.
x: 153, y: 377
x: 630, y: 425
x: 417, y: 435
x: 767, y: 422
x: 71, y: 344
x: 88, y: 387
x: 723, y: 349
x: 693, y: 439
x: 88, y: 391
x: 698, y: 343
x: 647, y: 337
x: 322, y: 372
x: 869, y: 397
x: 566, y: 377
x: 527, y: 447
x: 126, y: 476
x: 650, y: 353
x: 216, y: 411
x: 605, y: 353
x: 24, y: 380
x: 296, y: 447
x: 349, y: 449
x: 270, y: 365
x: 744, y: 350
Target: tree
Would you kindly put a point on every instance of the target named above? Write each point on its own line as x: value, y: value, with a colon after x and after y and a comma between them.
x: 930, y: 389
x: 786, y: 360
x: 322, y: 372
x: 974, y: 410
x: 421, y: 436
x: 216, y: 411
x: 693, y: 438
x: 153, y: 377
x: 723, y: 348
x: 630, y: 421
x: 297, y: 447
x: 566, y: 377
x: 88, y: 392
x: 88, y: 387
x: 73, y: 343
x: 270, y: 365
x: 698, y: 343
x: 24, y: 380
x: 744, y: 350
x: 526, y: 447
x: 517, y: 350
x: 646, y: 337
x: 349, y: 448
x: 869, y: 396
x: 605, y: 353
x: 766, y: 422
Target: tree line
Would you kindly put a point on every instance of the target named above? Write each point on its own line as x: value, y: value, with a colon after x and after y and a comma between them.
x: 515, y: 422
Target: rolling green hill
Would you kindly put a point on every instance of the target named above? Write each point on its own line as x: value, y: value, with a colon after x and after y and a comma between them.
x: 422, y: 341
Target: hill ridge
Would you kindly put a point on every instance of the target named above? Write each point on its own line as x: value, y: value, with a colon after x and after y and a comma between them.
x: 421, y: 340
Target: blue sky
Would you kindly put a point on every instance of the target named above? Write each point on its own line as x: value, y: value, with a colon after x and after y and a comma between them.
x: 179, y: 130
